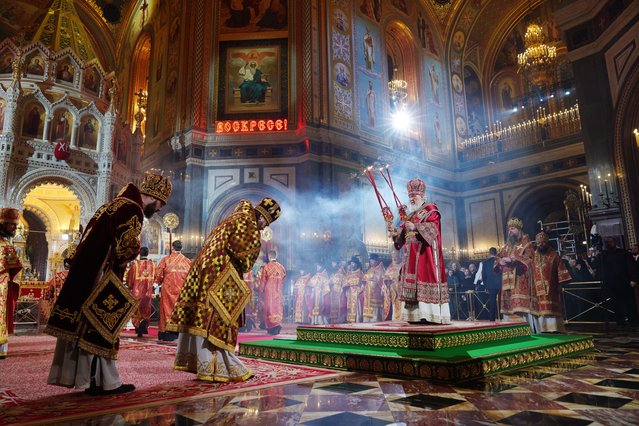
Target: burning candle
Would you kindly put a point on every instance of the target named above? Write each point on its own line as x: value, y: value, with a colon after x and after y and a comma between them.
x: 599, y: 180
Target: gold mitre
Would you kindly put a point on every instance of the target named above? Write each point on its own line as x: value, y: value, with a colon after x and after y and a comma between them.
x: 542, y: 237
x: 515, y: 222
x: 156, y: 186
x: 9, y: 215
x: 269, y: 208
x: 416, y: 186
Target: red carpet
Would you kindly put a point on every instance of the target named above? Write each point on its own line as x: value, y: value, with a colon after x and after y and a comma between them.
x: 25, y: 398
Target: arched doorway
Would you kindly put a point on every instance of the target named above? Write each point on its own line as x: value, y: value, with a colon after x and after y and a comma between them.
x: 52, y: 212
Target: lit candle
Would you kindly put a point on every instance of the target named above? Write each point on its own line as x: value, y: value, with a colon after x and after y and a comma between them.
x: 599, y: 180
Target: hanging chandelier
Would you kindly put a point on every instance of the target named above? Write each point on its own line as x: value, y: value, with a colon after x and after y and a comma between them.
x: 397, y: 88
x: 538, y: 55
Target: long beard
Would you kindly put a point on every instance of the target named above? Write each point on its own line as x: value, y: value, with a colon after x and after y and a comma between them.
x: 512, y: 239
x: 543, y: 250
x: 412, y: 208
x: 149, y: 211
x: 5, y: 233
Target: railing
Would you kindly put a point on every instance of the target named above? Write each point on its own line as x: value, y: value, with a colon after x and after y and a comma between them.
x: 533, y: 132
x: 584, y: 302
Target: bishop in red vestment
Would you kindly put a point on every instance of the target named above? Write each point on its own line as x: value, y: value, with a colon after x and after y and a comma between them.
x: 139, y: 279
x: 10, y: 265
x: 170, y: 274
x: 423, y: 289
x: 271, y: 282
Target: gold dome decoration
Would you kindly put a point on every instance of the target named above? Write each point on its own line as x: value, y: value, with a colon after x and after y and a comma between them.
x: 62, y: 28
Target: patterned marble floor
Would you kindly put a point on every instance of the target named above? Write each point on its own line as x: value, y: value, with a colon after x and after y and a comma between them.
x: 598, y: 388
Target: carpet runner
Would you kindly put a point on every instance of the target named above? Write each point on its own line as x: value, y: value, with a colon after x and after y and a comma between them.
x: 458, y: 352
x: 26, y: 399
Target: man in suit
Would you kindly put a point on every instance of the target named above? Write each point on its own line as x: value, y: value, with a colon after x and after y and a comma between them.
x: 615, y: 276
x: 492, y: 282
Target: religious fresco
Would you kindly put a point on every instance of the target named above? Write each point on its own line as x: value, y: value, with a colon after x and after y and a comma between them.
x: 91, y: 80
x: 369, y: 75
x: 342, y: 74
x: 33, y: 120
x: 434, y: 82
x: 35, y: 64
x: 253, y: 79
x: 474, y: 102
x: 436, y: 129
x: 425, y: 35
x: 340, y: 20
x: 88, y: 132
x: 368, y: 48
x: 253, y: 18
x: 343, y: 78
x: 505, y: 91
x: 370, y: 101
x: 515, y: 43
x: 371, y: 9
x: 65, y: 71
x: 253, y: 74
x: 17, y: 15
x: 401, y: 5
x: 6, y: 58
x: 61, y: 126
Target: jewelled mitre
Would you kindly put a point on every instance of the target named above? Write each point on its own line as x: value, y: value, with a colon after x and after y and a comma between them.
x: 416, y: 187
x: 542, y: 237
x: 515, y: 222
x: 269, y: 208
x: 156, y: 186
x: 9, y: 215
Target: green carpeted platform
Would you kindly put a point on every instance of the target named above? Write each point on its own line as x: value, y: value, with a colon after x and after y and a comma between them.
x: 452, y: 363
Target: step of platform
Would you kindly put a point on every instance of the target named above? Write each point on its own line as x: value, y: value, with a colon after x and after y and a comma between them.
x: 398, y: 334
x: 453, y: 363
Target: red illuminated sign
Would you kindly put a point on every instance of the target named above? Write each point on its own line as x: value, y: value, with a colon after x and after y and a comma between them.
x: 251, y: 126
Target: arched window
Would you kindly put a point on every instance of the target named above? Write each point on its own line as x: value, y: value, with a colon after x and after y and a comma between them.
x: 139, y: 82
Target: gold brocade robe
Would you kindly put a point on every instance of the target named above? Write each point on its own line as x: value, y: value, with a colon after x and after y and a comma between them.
x: 392, y: 276
x: 110, y: 240
x: 319, y: 285
x: 302, y: 311
x: 336, y: 283
x: 353, y: 287
x: 372, y: 291
x: 9, y: 290
x: 214, y: 296
x: 548, y: 274
x: 516, y: 287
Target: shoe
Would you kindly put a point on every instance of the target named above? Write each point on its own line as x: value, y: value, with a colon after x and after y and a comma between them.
x: 99, y: 391
x: 94, y: 390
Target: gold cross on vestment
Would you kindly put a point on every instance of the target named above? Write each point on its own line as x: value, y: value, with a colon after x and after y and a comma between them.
x: 110, y: 302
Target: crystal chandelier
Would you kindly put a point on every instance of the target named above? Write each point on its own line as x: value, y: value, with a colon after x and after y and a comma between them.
x: 538, y: 55
x: 398, y: 89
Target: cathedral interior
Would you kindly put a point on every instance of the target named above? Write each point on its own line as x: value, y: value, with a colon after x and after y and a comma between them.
x: 505, y: 108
